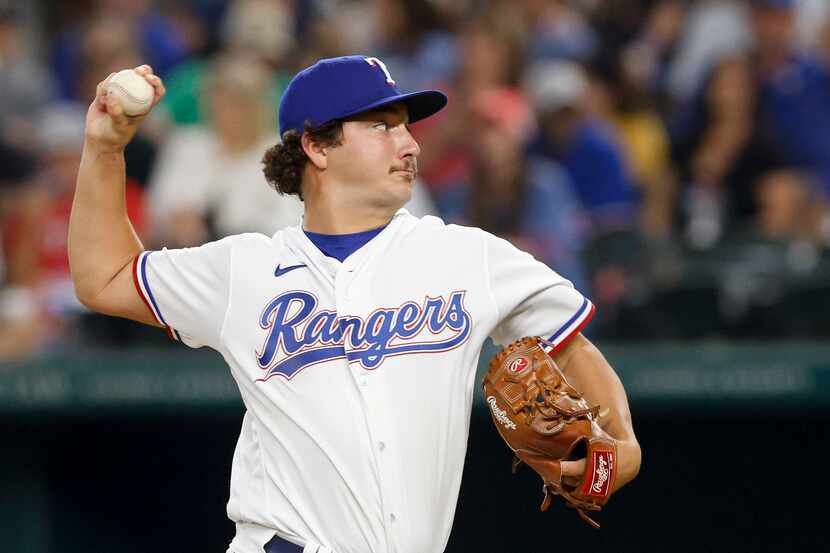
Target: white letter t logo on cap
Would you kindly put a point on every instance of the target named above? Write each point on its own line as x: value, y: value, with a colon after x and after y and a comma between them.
x: 377, y: 63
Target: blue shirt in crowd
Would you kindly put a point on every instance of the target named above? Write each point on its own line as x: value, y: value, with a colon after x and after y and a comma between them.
x: 795, y: 102
x: 595, y: 164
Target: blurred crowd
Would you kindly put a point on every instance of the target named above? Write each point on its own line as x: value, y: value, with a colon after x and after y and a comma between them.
x: 670, y: 157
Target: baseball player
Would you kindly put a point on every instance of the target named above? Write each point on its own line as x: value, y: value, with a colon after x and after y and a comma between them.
x: 354, y: 336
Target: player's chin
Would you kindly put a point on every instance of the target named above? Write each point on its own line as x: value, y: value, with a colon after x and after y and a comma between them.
x: 401, y: 188
x: 403, y: 180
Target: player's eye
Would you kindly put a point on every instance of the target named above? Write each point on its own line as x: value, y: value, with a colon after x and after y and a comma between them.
x: 382, y: 125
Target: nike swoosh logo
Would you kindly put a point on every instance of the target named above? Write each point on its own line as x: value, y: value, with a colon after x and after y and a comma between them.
x: 280, y: 272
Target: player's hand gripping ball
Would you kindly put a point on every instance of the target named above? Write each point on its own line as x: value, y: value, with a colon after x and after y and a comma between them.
x: 132, y: 91
x: 546, y: 421
x: 121, y: 100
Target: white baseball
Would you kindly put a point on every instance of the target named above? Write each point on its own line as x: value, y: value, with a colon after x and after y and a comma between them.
x: 132, y: 90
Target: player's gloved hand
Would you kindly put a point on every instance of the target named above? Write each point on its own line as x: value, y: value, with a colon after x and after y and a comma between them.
x: 550, y: 427
x: 108, y: 128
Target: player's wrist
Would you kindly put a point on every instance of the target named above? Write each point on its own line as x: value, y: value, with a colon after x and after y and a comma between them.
x: 629, y: 459
x: 96, y: 147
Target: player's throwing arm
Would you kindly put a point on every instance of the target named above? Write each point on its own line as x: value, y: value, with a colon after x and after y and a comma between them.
x: 102, y: 242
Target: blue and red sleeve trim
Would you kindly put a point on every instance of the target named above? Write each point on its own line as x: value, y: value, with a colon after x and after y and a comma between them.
x: 142, y: 286
x: 573, y: 326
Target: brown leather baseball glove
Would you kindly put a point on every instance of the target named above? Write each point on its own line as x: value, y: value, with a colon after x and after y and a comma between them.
x: 545, y: 421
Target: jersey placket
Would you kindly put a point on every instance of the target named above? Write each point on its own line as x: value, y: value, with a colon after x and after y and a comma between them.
x: 348, y: 290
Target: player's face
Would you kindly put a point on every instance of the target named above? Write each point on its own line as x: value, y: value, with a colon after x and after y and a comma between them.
x: 377, y: 160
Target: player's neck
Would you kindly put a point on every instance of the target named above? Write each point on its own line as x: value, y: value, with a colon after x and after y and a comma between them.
x: 333, y: 208
x: 328, y: 218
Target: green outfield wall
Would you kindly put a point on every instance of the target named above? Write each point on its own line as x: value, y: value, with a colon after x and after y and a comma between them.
x: 781, y: 376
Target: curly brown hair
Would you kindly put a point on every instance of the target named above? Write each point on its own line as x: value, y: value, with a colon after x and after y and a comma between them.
x: 284, y: 162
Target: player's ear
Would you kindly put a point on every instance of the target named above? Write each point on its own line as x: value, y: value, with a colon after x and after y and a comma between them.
x: 315, y: 151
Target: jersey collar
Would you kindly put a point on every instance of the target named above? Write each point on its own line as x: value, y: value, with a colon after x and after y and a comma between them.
x: 297, y: 239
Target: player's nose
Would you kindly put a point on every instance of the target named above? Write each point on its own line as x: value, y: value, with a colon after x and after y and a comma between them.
x: 410, y: 145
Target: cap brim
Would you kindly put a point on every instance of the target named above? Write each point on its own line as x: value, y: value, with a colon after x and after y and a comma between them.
x: 420, y: 104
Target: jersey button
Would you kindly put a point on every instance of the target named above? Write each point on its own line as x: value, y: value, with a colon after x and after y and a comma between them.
x: 392, y: 517
x: 381, y: 446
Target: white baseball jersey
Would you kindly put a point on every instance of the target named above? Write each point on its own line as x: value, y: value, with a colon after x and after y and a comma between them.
x: 358, y: 376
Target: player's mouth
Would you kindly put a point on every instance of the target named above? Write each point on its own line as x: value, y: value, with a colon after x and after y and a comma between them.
x: 407, y: 173
x: 410, y: 170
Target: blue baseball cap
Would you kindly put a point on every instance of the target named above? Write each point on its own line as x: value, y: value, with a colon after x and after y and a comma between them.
x: 335, y: 88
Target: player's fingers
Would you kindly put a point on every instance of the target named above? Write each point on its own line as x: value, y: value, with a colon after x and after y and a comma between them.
x: 158, y: 87
x: 573, y: 468
x: 573, y: 472
x: 101, y: 91
x: 144, y: 70
x: 116, y: 111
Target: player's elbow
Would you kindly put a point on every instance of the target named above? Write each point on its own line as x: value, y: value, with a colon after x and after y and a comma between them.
x: 83, y: 281
x: 86, y: 294
x: 638, y: 460
x: 89, y: 292
x: 631, y: 460
x: 104, y: 291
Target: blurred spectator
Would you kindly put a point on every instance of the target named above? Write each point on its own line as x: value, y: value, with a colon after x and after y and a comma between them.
x: 21, y: 323
x: 112, y: 27
x: 329, y: 33
x: 258, y: 28
x: 794, y: 98
x: 647, y: 57
x: 714, y: 28
x: 198, y: 23
x: 529, y: 201
x: 493, y: 53
x: 773, y: 281
x: 491, y: 56
x: 621, y: 95
x: 722, y: 146
x: 25, y: 85
x: 261, y: 27
x: 786, y: 207
x: 17, y: 179
x: 413, y: 42
x: 616, y: 23
x: 208, y: 181
x: 811, y: 19
x: 61, y: 142
x: 556, y: 30
x: 585, y: 147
